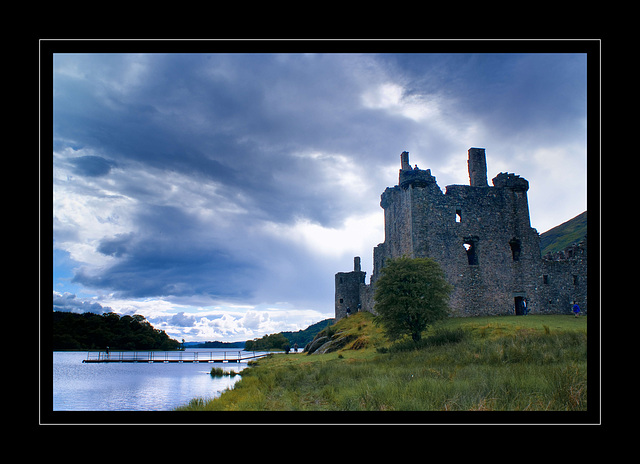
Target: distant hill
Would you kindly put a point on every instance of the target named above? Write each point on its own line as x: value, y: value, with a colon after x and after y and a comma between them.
x: 565, y: 234
x: 278, y: 341
x: 214, y: 344
x: 302, y: 337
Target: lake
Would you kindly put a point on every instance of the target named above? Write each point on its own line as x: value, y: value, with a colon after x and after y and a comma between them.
x: 79, y: 386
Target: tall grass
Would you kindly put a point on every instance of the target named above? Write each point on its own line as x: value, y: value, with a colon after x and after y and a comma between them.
x: 519, y: 373
x: 453, y: 369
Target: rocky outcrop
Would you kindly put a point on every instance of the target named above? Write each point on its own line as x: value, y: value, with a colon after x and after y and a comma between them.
x: 323, y: 344
x: 316, y: 343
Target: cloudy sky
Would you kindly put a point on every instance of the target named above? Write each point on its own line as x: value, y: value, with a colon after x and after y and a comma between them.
x: 218, y: 194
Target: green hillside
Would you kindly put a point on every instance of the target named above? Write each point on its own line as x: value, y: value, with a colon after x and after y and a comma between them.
x: 565, y: 234
x: 501, y: 363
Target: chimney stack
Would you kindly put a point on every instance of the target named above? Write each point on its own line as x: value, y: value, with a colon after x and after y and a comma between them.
x: 404, y: 160
x: 477, y: 168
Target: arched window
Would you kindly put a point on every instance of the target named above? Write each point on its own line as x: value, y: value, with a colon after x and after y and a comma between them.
x: 471, y: 246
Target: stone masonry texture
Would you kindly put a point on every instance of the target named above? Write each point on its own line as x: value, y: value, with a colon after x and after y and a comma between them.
x: 482, y: 238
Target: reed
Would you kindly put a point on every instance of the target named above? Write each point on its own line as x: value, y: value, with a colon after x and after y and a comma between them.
x: 219, y: 372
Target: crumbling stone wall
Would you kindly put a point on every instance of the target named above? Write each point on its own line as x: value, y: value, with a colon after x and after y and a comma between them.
x: 482, y: 238
x: 564, y: 280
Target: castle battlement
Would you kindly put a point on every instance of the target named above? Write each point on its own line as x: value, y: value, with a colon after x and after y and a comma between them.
x: 510, y: 180
x: 413, y: 177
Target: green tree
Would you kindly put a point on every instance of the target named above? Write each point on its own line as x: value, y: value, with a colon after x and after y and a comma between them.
x: 410, y: 295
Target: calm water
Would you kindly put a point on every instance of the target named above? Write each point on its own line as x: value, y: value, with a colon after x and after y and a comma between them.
x: 134, y: 387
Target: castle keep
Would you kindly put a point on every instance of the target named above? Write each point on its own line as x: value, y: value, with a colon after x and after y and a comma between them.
x: 482, y: 238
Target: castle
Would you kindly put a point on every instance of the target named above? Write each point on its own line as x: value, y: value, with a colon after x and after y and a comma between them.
x: 482, y: 238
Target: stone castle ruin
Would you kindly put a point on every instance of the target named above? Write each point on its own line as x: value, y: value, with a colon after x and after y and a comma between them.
x: 482, y: 238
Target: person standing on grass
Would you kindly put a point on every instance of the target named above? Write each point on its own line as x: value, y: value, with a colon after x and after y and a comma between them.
x: 576, y: 309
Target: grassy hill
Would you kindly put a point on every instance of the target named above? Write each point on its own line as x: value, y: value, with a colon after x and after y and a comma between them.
x: 565, y: 234
x: 492, y: 363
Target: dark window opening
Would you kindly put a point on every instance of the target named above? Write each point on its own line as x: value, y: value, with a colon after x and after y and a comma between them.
x: 575, y: 280
x: 458, y: 215
x: 471, y: 245
x: 341, y: 300
x: 515, y: 248
x: 545, y: 279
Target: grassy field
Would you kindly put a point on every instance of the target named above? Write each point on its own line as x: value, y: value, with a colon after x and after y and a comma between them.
x: 524, y: 363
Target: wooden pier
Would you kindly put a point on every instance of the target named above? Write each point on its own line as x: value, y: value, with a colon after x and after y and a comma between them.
x: 171, y: 356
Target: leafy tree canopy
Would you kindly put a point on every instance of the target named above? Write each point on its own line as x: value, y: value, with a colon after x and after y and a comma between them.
x: 92, y: 331
x: 411, y: 294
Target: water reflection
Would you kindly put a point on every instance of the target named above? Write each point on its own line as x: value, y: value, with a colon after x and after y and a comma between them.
x: 78, y: 386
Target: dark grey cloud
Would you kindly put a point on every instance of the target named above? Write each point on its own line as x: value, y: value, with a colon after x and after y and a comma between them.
x: 237, y: 120
x: 182, y: 320
x: 92, y: 166
x: 512, y: 94
x: 69, y: 302
x: 116, y: 246
x: 171, y: 264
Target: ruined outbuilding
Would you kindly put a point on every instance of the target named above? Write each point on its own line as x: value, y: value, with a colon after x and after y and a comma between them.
x: 482, y: 238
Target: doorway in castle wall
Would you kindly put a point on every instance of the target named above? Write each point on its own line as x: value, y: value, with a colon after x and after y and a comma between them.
x: 519, y: 305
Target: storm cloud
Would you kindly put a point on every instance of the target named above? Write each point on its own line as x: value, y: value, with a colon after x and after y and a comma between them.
x: 213, y: 180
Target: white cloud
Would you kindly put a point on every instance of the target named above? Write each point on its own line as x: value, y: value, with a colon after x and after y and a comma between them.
x: 393, y: 98
x: 566, y: 167
x: 337, y: 171
x: 357, y: 232
x: 384, y: 96
x: 85, y: 211
x: 222, y: 322
x: 233, y: 326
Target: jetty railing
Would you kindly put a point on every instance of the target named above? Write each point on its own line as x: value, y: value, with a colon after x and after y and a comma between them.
x: 172, y: 356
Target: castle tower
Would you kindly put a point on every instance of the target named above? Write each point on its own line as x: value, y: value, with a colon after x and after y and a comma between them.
x: 479, y: 234
x: 347, y: 287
